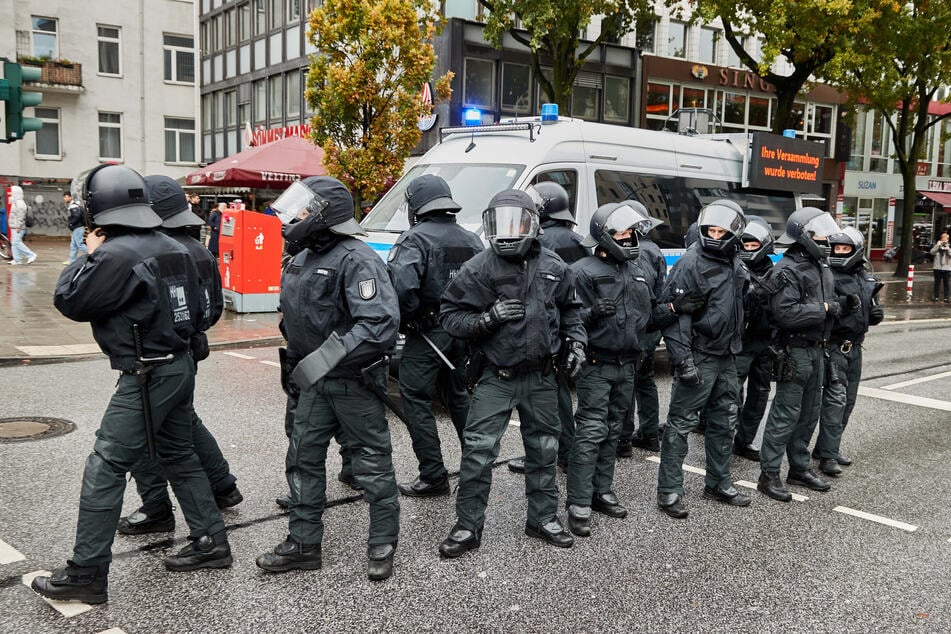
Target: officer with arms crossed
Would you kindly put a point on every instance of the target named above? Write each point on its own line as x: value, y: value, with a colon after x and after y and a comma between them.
x: 141, y: 293
x: 341, y: 319
x: 702, y: 348
x: 557, y: 235
x: 516, y: 303
x: 852, y: 280
x: 421, y: 263
x: 155, y: 515
x: 804, y: 308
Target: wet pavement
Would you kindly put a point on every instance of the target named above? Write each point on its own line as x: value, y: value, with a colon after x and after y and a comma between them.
x: 32, y: 329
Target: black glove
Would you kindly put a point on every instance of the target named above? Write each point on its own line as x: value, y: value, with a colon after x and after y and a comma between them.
x: 502, y: 311
x: 687, y: 373
x: 689, y: 302
x: 758, y: 293
x: 575, y: 358
x: 835, y: 309
x: 852, y: 302
x: 603, y: 307
x: 876, y: 314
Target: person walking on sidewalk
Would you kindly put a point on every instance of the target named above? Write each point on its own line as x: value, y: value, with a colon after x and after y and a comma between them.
x: 17, y: 222
x: 942, y: 267
x: 74, y: 220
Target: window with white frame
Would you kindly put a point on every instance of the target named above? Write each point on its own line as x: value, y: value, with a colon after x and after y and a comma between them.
x: 709, y: 45
x: 179, y: 59
x: 179, y: 140
x: 44, y: 38
x: 110, y: 136
x: 108, y: 38
x: 47, y: 137
x: 677, y: 39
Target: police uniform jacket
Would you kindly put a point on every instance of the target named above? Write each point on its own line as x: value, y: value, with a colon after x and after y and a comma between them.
x: 342, y: 288
x: 652, y: 262
x: 717, y: 328
x: 543, y: 282
x: 759, y: 328
x: 625, y: 283
x: 558, y: 237
x: 423, y: 260
x: 209, y: 277
x: 800, y: 285
x: 852, y: 325
x: 142, y: 277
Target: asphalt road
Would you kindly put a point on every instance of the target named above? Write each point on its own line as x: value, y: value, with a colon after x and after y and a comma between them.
x: 817, y: 565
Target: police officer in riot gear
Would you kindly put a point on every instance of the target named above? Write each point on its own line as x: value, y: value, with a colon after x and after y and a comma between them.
x: 702, y: 346
x: 140, y: 291
x: 155, y: 515
x: 803, y: 308
x: 855, y: 288
x: 557, y: 235
x: 421, y: 263
x: 341, y: 319
x: 754, y: 364
x: 516, y: 304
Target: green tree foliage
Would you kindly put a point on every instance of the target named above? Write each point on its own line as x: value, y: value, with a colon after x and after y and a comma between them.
x: 897, y: 73
x: 808, y: 35
x: 364, y: 85
x: 550, y: 30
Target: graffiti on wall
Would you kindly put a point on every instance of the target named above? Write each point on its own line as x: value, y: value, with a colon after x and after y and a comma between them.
x: 48, y: 209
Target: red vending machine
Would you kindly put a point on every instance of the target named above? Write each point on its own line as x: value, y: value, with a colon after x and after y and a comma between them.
x: 250, y: 247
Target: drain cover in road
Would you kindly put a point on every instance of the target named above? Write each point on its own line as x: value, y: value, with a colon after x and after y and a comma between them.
x: 25, y: 428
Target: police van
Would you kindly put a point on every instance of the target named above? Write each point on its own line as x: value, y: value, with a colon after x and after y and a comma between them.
x: 673, y: 174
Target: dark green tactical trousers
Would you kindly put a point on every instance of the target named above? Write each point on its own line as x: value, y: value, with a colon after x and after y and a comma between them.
x: 121, y: 445
x: 645, y: 394
x: 422, y: 374
x: 604, y: 398
x: 535, y: 397
x: 323, y: 409
x: 754, y: 367
x: 719, y: 387
x: 839, y: 400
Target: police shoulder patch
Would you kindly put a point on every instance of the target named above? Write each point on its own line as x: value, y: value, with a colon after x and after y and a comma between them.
x: 367, y: 289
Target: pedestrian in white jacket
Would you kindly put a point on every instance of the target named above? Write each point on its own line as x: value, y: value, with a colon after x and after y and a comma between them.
x: 17, y: 222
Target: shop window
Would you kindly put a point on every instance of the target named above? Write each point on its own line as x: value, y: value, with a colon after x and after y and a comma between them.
x: 734, y: 109
x: 479, y: 79
x: 617, y: 95
x: 658, y: 99
x: 585, y: 103
x: 759, y: 112
x: 694, y: 97
x: 516, y: 88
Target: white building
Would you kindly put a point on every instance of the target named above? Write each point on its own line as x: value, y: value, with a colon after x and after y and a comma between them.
x: 119, y: 85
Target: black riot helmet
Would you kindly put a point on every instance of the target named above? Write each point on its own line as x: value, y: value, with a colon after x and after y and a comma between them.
x: 554, y: 202
x: 853, y: 238
x: 428, y: 194
x: 511, y: 223
x: 114, y: 195
x: 319, y: 204
x: 169, y: 202
x: 803, y: 227
x: 727, y: 215
x: 757, y: 230
x: 613, y: 218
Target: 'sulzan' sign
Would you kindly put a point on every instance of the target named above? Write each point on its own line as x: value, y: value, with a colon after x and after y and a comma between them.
x: 785, y: 164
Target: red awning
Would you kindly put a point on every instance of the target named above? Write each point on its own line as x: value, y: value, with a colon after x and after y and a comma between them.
x: 942, y: 198
x: 273, y: 165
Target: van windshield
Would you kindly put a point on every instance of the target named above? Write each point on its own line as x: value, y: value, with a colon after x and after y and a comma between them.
x: 472, y: 186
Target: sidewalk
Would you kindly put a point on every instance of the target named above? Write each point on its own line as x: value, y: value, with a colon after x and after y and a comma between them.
x: 32, y: 329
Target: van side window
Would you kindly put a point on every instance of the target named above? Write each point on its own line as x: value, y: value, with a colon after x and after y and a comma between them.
x: 567, y: 179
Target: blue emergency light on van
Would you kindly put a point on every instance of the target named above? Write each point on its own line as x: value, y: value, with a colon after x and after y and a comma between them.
x: 471, y: 116
x: 549, y: 112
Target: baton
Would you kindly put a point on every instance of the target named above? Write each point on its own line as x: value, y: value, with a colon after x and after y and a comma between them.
x: 438, y: 352
x: 382, y: 395
x: 143, y: 367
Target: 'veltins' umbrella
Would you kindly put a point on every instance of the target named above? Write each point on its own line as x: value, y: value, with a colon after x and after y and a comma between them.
x: 274, y: 165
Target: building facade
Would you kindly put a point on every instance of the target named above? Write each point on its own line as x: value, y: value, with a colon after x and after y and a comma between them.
x: 118, y: 85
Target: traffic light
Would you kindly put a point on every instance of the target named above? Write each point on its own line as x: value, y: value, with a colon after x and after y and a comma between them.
x: 15, y: 99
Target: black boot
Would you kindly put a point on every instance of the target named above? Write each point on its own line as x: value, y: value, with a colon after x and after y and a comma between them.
x: 380, y: 564
x: 625, y: 449
x: 460, y: 541
x: 229, y: 497
x: 579, y: 520
x: 608, y: 504
x: 349, y: 480
x: 201, y: 553
x: 289, y: 555
x: 745, y: 451
x: 424, y: 489
x: 650, y: 443
x: 141, y: 523
x: 73, y: 583
x: 552, y: 532
x: 830, y: 467
x: 770, y: 484
x: 284, y: 501
x: 517, y: 465
x: 672, y: 504
x: 808, y: 479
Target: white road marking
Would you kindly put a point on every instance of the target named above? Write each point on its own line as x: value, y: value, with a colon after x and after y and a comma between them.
x: 876, y: 518
x: 908, y: 399
x: 238, y: 355
x: 687, y: 467
x: 924, y: 379
x: 752, y: 485
x: 59, y: 351
x: 113, y: 630
x: 514, y: 421
x: 272, y: 363
x: 66, y: 608
x: 9, y: 554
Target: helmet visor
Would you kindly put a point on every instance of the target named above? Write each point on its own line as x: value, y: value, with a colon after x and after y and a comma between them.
x: 508, y: 222
x: 626, y: 217
x: 297, y: 202
x: 722, y: 216
x: 822, y: 225
x: 759, y: 233
x: 536, y: 198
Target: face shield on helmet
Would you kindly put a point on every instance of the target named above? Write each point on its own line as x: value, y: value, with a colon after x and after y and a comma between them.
x: 297, y: 203
x: 815, y: 235
x: 757, y: 230
x: 510, y: 229
x: 851, y: 237
x: 613, y: 220
x: 726, y: 217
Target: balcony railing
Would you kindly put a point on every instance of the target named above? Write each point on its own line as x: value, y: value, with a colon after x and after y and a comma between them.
x: 57, y: 73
